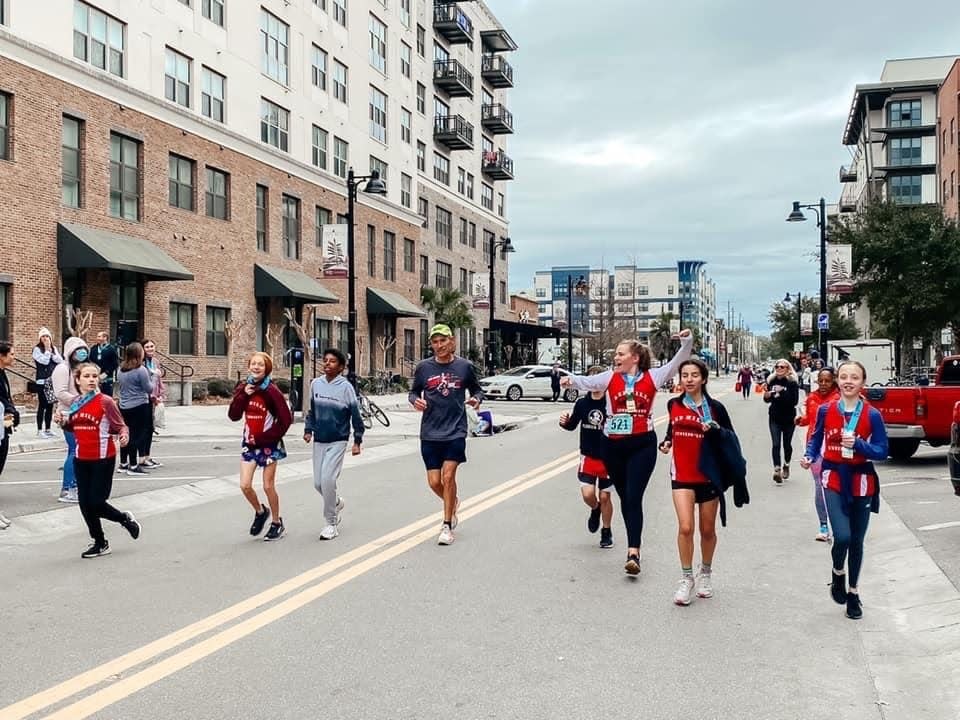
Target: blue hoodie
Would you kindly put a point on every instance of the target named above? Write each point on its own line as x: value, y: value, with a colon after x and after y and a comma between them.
x: 333, y: 404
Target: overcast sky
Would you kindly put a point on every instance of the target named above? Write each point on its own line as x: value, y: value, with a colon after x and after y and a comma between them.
x: 683, y: 130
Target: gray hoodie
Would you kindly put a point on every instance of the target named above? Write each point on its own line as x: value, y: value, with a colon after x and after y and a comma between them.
x: 62, y: 377
x: 333, y: 405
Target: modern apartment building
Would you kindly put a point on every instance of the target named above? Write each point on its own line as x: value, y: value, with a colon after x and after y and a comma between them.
x: 178, y: 165
x: 948, y: 130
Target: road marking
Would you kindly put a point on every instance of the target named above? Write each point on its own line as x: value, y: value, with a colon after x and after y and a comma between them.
x: 106, y: 671
x: 37, y: 461
x: 185, y: 478
x: 902, y: 482
x: 940, y: 526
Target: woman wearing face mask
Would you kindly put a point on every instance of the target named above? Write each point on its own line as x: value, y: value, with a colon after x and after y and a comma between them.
x: 76, y: 351
x: 849, y: 434
x: 826, y: 392
x: 632, y: 452
x: 782, y: 394
x: 46, y: 357
x: 157, y: 397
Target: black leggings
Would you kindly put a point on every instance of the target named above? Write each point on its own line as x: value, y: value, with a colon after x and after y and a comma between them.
x: 44, y: 411
x: 94, y: 483
x: 745, y: 388
x: 139, y: 422
x: 781, y: 431
x: 630, y: 463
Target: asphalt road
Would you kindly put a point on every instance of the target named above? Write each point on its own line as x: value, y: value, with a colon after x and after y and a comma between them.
x: 523, y: 617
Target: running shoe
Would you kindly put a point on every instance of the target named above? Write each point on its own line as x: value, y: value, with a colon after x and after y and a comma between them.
x: 69, y: 496
x: 275, y: 532
x: 777, y: 475
x: 131, y: 525
x: 632, y: 566
x: 854, y: 608
x: 151, y: 463
x: 684, y: 592
x: 96, y: 550
x: 823, y: 535
x: 606, y: 538
x: 4, y: 522
x: 593, y: 522
x: 446, y: 535
x: 329, y: 532
x: 455, y: 520
x: 704, y: 585
x: 136, y: 470
x: 340, y: 505
x: 259, y: 520
x: 786, y: 472
x: 123, y: 467
x: 838, y: 588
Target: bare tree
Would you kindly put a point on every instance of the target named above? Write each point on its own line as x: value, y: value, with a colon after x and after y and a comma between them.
x: 78, y: 321
x: 386, y: 342
x: 269, y: 338
x: 231, y: 330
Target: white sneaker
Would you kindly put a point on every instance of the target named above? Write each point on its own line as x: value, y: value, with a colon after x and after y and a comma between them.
x: 446, y: 535
x: 340, y: 505
x: 684, y: 591
x: 329, y: 532
x: 50, y: 434
x: 70, y: 496
x: 704, y: 585
x: 454, y: 520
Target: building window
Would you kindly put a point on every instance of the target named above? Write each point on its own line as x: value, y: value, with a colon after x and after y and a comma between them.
x: 423, y: 210
x: 473, y: 236
x: 405, y: 12
x: 213, y: 11
x: 262, y: 195
x: 406, y: 126
x: 469, y: 186
x: 371, y: 251
x: 378, y: 44
x: 291, y: 227
x: 4, y: 311
x: 541, y: 292
x: 440, y: 108
x: 904, y: 151
x: 378, y: 115
x: 500, y: 202
x: 181, y: 182
x: 443, y: 279
x: 424, y: 270
x: 323, y: 331
x: 124, y: 177
x: 380, y: 167
x: 904, y: 113
x: 340, y: 11
x: 503, y: 292
x: 444, y: 228
x: 389, y: 256
x: 176, y: 78
x: 441, y: 168
x: 409, y: 345
x: 421, y: 99
x: 319, y: 155
x: 905, y: 190
x: 421, y: 41
x: 464, y: 235
x: 670, y: 289
x: 98, y: 38
x: 486, y: 196
x: 321, y: 217
x: 340, y: 81
x: 218, y: 194
x: 69, y: 153
x: 643, y: 290
x: 408, y: 250
x: 181, y: 329
x: 406, y: 182
x: 274, y: 125
x: 421, y: 156
x: 212, y: 94
x: 5, y: 103
x: 341, y: 157
x: 461, y: 180
x: 440, y: 53
x: 464, y: 281
x: 216, y: 331
x: 275, y: 55
x: 406, y: 59
x: 318, y: 68
x: 488, y: 239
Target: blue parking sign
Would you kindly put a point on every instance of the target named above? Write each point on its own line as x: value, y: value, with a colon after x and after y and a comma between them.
x: 823, y: 321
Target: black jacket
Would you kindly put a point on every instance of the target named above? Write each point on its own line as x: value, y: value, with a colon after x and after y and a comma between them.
x: 783, y: 404
x: 106, y: 359
x: 6, y: 399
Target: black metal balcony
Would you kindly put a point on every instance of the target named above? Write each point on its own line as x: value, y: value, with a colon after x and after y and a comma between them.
x: 848, y: 174
x: 453, y: 131
x: 452, y: 23
x: 497, y: 71
x: 453, y: 78
x: 497, y: 165
x: 497, y: 119
x: 497, y: 40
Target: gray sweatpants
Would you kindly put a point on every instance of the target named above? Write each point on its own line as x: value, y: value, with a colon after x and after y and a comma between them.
x: 327, y: 463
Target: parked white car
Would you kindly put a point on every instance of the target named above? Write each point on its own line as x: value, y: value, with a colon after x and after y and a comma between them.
x: 528, y: 381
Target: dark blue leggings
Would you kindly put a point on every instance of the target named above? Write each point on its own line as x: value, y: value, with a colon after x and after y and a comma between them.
x: 781, y: 433
x: 630, y: 462
x: 849, y: 529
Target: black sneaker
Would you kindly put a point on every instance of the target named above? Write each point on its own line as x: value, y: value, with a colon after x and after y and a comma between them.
x: 632, y: 566
x: 122, y: 467
x: 593, y: 522
x: 275, y: 531
x: 136, y: 470
x: 131, y: 526
x: 259, y: 520
x: 838, y: 589
x: 606, y: 538
x: 96, y: 550
x: 854, y: 608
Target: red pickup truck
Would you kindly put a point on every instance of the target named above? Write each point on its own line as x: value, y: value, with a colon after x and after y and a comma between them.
x: 921, y: 413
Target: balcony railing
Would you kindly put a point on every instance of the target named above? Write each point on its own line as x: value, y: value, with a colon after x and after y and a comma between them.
x: 497, y: 71
x: 497, y: 165
x: 497, y: 119
x: 453, y: 78
x: 848, y: 174
x: 452, y: 23
x: 453, y: 131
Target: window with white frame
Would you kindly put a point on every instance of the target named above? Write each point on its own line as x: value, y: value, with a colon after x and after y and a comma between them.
x: 125, y: 182
x: 218, y: 194
x: 444, y: 228
x: 212, y: 94
x: 321, y: 217
x: 291, y: 227
x: 70, y: 154
x: 444, y: 275
x: 176, y: 77
x: 98, y: 38
x: 379, y: 166
x: 263, y: 194
x: 440, y: 108
x: 423, y: 210
x: 340, y: 81
x: 486, y: 196
x: 421, y: 40
x: 406, y: 184
x: 318, y: 68
x: 409, y: 249
x: 389, y: 256
x: 213, y: 11
x: 378, y: 44
x: 421, y: 99
x: 341, y: 157
x: 405, y: 12
x: 180, y: 182
x: 441, y: 168
x: 406, y: 59
x: 319, y: 140
x: 461, y: 180
x: 274, y: 125
x: 500, y: 204
x: 406, y: 126
x: 340, y: 11
x: 440, y: 53
x: 469, y: 186
x: 421, y: 156
x: 275, y: 50
x: 378, y: 115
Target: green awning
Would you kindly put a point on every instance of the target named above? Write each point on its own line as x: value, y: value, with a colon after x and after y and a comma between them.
x: 274, y: 282
x: 391, y: 304
x: 79, y: 246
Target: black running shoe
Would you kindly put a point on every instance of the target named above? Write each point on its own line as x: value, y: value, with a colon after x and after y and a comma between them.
x: 632, y: 566
x: 96, y: 550
x: 838, y: 589
x: 854, y: 608
x: 593, y: 522
x: 275, y: 531
x: 606, y: 538
x: 132, y: 526
x: 259, y: 520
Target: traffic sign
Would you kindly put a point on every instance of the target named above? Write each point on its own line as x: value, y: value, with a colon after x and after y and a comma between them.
x: 823, y: 321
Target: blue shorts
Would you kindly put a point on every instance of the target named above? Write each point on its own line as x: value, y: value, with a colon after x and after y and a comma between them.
x: 436, y: 452
x: 263, y: 456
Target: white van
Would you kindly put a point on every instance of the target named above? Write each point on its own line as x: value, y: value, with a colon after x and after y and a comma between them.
x: 876, y: 355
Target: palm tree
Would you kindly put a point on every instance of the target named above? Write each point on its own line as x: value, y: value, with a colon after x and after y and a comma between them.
x: 660, y: 336
x: 447, y: 306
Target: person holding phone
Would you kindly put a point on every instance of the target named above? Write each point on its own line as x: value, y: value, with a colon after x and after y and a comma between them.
x: 782, y: 394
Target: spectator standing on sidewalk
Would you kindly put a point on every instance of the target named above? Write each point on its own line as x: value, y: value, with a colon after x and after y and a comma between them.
x: 11, y: 417
x: 75, y: 352
x: 333, y: 408
x: 555, y: 381
x: 782, y: 394
x: 849, y: 435
x: 136, y: 387
x: 106, y: 357
x: 158, y: 398
x: 266, y: 419
x: 46, y: 357
x: 826, y: 392
x: 745, y: 378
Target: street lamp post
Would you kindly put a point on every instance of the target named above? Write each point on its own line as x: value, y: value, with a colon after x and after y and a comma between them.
x: 796, y: 215
x: 507, y: 246
x: 718, y: 330
x: 374, y: 186
x: 580, y: 287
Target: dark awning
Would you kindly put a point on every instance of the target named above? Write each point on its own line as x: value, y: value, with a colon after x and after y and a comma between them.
x: 79, y: 246
x: 516, y: 332
x: 274, y: 282
x: 391, y: 304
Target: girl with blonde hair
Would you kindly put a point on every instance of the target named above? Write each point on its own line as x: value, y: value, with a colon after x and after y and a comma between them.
x: 782, y: 394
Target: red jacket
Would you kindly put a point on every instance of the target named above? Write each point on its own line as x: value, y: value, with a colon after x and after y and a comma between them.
x: 266, y: 415
x: 813, y: 402
x: 94, y: 426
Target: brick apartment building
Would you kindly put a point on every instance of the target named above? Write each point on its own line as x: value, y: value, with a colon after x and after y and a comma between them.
x: 948, y: 126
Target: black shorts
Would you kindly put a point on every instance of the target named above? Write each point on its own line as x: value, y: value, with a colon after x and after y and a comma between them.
x: 436, y: 452
x: 702, y: 492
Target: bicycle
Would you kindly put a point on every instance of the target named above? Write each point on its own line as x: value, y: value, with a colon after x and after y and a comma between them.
x: 370, y: 410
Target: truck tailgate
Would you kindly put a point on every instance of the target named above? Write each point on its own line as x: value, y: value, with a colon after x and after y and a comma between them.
x: 897, y: 405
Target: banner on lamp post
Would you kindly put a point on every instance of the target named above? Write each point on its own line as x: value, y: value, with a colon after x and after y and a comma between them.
x: 481, y: 298
x: 674, y: 326
x: 839, y: 269
x: 334, y: 239
x: 806, y: 323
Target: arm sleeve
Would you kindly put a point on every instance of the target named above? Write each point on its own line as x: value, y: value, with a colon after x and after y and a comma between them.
x: 417, y: 387
x: 117, y: 425
x: 41, y: 357
x: 591, y: 383
x: 147, y: 381
x: 661, y: 374
x: 878, y: 447
x: 804, y: 419
x: 575, y: 417
x: 794, y: 396
x: 356, y: 419
x: 282, y: 416
x: 62, y: 385
x: 816, y: 440
x: 668, y: 433
x: 238, y: 404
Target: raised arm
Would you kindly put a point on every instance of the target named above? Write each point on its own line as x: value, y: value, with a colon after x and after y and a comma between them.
x: 589, y: 383
x: 661, y: 374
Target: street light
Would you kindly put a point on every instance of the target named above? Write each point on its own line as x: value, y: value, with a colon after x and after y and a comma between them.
x: 374, y: 186
x: 797, y: 216
x: 580, y: 287
x: 507, y: 246
x: 786, y: 299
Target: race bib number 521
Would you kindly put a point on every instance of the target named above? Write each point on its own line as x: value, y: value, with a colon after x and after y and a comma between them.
x: 620, y: 424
